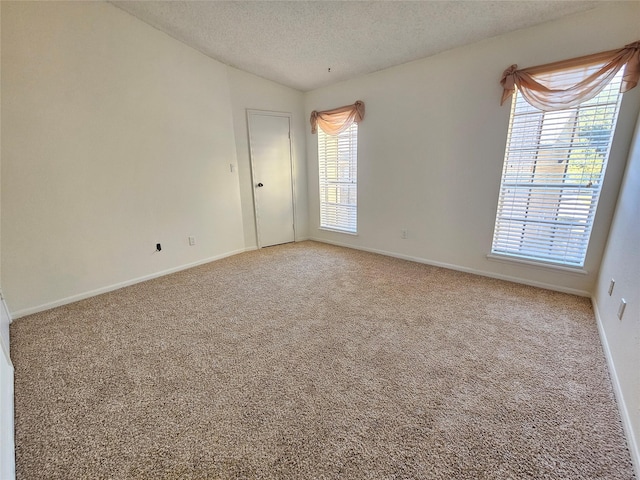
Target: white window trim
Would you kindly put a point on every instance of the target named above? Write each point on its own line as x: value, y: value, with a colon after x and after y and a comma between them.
x: 496, y: 257
x: 337, y: 230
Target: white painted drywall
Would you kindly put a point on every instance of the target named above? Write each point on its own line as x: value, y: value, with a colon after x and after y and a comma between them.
x: 7, y: 450
x: 621, y: 262
x: 7, y: 443
x: 432, y: 143
x: 114, y: 137
x: 0, y: 143
x: 7, y: 455
x: 251, y: 92
x: 5, y: 322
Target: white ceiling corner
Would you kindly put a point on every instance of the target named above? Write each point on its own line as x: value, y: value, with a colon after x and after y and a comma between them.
x: 294, y: 43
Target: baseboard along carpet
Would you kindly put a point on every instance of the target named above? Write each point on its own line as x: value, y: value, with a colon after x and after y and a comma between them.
x: 310, y: 361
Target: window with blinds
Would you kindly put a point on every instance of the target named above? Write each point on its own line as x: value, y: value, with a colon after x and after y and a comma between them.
x: 338, y: 166
x: 552, y: 175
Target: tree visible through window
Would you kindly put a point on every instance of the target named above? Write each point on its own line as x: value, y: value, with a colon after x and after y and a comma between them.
x: 338, y: 165
x: 552, y: 176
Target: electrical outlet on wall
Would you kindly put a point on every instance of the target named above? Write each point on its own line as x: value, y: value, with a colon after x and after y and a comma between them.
x: 404, y: 234
x: 623, y: 305
x: 192, y: 241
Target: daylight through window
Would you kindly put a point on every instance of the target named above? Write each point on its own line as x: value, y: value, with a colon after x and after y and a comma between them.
x: 337, y: 160
x: 552, y: 175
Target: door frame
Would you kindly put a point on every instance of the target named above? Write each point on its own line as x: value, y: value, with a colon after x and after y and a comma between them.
x: 256, y: 214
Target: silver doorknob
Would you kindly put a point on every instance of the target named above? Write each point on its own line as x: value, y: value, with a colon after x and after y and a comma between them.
x: 260, y: 185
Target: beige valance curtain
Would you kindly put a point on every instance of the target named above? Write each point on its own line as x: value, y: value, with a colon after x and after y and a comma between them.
x: 586, y: 77
x: 337, y: 120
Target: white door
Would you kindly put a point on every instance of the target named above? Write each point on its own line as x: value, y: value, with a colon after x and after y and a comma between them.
x: 270, y: 146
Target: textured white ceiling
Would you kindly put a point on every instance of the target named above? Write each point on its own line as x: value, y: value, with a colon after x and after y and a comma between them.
x: 295, y: 42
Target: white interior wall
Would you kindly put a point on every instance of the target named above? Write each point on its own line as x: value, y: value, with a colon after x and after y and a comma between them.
x: 114, y: 137
x: 432, y: 143
x: 0, y: 141
x: 7, y: 455
x: 251, y: 92
x: 621, y: 337
x: 7, y: 450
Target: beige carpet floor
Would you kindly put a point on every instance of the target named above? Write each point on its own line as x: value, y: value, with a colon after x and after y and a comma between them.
x: 308, y: 361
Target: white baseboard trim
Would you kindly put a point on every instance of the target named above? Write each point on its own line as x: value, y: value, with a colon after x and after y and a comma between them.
x: 109, y: 288
x: 634, y: 447
x: 450, y: 266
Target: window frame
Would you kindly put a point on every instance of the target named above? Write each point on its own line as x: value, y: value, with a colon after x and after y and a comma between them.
x: 343, y: 213
x: 556, y: 258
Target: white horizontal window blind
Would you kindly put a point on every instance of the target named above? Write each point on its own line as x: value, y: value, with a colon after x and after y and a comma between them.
x: 552, y: 175
x: 338, y: 165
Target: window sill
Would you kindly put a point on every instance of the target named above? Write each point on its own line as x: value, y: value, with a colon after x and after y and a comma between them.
x: 537, y: 264
x: 337, y: 230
